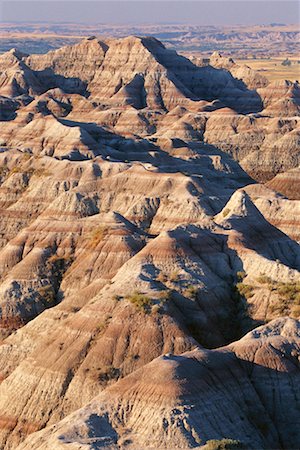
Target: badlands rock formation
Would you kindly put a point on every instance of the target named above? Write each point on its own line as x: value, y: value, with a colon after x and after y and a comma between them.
x: 179, y: 401
x: 139, y: 243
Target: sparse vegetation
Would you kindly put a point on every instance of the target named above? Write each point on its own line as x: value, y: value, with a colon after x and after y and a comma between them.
x: 58, y: 265
x: 140, y: 301
x: 191, y: 292
x: 47, y: 294
x: 148, y: 304
x: 241, y: 275
x: 240, y: 316
x: 162, y: 277
x: 3, y: 171
x: 225, y: 212
x: 28, y: 170
x: 42, y: 173
x: 264, y: 279
x: 15, y: 169
x: 97, y: 236
x: 26, y: 156
x: 289, y: 291
x: 155, y: 309
x: 224, y: 444
x: 288, y: 301
x: 165, y: 295
x: 245, y: 290
x: 174, y: 276
x: 109, y: 373
x: 295, y: 311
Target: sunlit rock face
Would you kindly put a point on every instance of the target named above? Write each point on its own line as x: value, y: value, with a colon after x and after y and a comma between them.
x: 149, y: 276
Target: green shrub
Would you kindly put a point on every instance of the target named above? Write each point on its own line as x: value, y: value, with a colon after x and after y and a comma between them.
x: 245, y: 290
x: 241, y: 275
x: 26, y: 156
x: 288, y: 300
x: 3, y: 171
x: 15, y: 170
x: 140, y: 301
x: 264, y: 279
x: 109, y: 373
x: 288, y: 291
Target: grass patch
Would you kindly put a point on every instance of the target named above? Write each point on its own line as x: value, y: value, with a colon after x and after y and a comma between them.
x: 224, y: 444
x: 225, y: 212
x: 97, y: 236
x: 288, y: 301
x: 241, y: 275
x: 264, y: 279
x: 245, y: 290
x: 147, y: 304
x: 140, y: 301
x: 30, y: 171
x: 165, y: 295
x: 41, y: 173
x: 4, y: 171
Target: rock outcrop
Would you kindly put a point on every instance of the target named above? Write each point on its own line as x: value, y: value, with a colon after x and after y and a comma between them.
x: 137, y: 249
x: 177, y: 400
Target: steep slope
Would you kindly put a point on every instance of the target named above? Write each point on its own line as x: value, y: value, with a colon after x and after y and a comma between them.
x: 287, y: 183
x: 278, y: 210
x: 129, y: 230
x: 145, y: 73
x: 167, y: 295
x: 16, y: 78
x: 40, y: 193
x: 78, y: 61
x: 251, y: 78
x: 130, y: 86
x: 281, y: 98
x: 177, y: 400
x: 264, y: 146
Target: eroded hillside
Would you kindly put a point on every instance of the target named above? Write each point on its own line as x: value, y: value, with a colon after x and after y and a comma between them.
x: 149, y: 206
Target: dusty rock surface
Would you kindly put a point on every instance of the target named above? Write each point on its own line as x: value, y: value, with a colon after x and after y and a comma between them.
x: 184, y: 401
x: 135, y: 224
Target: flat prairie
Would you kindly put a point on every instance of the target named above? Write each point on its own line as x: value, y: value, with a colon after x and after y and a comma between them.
x: 273, y: 69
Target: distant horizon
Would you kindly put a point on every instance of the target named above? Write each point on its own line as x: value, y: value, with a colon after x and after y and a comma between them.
x: 140, y: 23
x: 128, y: 12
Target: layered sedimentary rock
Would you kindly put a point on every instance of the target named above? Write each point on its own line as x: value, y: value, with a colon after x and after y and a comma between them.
x: 287, y: 183
x: 177, y: 400
x: 130, y: 84
x: 132, y: 227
